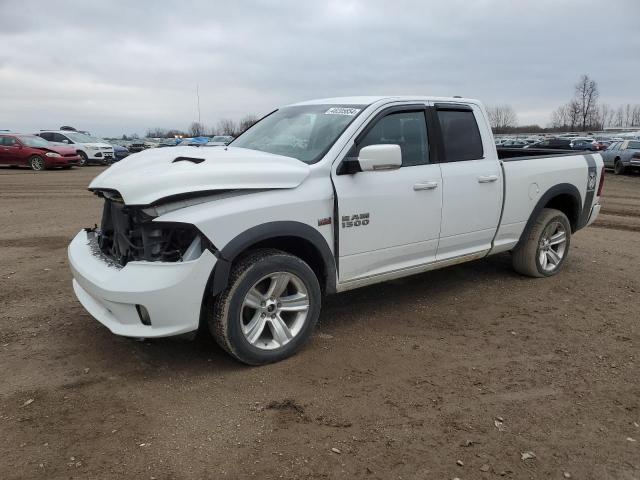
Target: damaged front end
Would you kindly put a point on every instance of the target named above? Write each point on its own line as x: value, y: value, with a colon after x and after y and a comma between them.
x: 129, y: 233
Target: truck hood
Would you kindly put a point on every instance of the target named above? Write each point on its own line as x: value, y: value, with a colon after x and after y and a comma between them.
x: 149, y: 176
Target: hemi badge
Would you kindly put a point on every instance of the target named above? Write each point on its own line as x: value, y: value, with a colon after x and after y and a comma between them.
x: 324, y: 221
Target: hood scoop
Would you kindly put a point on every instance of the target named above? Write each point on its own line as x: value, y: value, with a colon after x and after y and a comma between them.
x: 188, y: 159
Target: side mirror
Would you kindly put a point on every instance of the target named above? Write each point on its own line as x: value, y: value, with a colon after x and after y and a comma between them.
x: 65, y: 141
x: 380, y: 157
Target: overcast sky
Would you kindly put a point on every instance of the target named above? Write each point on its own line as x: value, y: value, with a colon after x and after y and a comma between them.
x: 115, y: 67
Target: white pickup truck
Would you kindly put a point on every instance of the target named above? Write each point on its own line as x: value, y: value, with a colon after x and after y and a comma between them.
x: 318, y: 198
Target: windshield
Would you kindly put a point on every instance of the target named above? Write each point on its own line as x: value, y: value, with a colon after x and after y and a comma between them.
x: 81, y: 137
x: 33, y: 141
x: 304, y: 132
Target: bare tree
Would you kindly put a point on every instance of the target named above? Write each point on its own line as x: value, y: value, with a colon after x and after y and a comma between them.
x: 227, y: 127
x: 197, y: 129
x: 156, y: 133
x: 502, y: 117
x: 586, y: 97
x: 246, y: 123
x: 560, y: 117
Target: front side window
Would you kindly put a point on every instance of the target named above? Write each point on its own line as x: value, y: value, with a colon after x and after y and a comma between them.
x: 304, y: 132
x: 460, y: 135
x: 406, y: 129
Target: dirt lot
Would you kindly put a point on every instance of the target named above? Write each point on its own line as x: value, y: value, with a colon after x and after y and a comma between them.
x: 453, y: 373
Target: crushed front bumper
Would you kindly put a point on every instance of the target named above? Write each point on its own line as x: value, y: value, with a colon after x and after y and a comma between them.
x: 171, y: 292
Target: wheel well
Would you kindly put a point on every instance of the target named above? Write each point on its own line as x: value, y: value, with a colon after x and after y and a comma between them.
x: 568, y: 205
x: 301, y: 248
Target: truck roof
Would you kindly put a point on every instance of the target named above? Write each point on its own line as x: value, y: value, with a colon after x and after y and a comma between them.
x: 368, y: 100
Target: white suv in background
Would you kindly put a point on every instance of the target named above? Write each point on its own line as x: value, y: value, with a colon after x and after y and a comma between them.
x: 90, y: 149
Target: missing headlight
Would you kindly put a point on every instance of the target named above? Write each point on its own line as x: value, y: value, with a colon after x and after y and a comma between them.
x: 128, y: 234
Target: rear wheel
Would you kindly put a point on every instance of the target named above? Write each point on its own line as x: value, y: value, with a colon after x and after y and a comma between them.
x: 83, y: 158
x: 618, y: 167
x: 269, y: 309
x: 546, y: 246
x: 37, y: 163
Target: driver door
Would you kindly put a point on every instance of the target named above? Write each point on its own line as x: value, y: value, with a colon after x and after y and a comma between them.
x: 389, y: 220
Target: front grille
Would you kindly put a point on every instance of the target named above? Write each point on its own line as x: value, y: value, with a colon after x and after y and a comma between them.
x: 128, y: 234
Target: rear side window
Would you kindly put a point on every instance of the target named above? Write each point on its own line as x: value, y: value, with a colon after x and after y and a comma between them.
x: 8, y: 141
x: 406, y: 129
x: 460, y: 135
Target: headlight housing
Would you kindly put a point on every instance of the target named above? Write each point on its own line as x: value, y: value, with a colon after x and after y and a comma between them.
x: 91, y: 147
x: 52, y: 154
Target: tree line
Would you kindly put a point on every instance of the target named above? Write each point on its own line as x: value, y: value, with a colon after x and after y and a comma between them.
x: 225, y: 126
x: 583, y: 112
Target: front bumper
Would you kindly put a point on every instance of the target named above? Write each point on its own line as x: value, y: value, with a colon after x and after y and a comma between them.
x: 171, y: 292
x: 100, y: 155
x: 594, y: 214
x: 62, y: 161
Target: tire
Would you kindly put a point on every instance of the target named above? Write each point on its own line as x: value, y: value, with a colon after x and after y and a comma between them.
x: 83, y: 158
x: 618, y: 167
x: 250, y: 324
x: 536, y: 255
x: 37, y: 163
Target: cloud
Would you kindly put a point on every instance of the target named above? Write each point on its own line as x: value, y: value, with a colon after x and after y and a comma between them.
x: 120, y: 66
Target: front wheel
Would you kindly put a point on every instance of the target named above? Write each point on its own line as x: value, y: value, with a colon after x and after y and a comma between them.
x: 546, y: 246
x: 83, y: 158
x: 618, y: 167
x: 269, y: 308
x: 37, y: 163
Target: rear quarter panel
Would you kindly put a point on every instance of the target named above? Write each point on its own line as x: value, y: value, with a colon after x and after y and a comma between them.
x: 528, y: 180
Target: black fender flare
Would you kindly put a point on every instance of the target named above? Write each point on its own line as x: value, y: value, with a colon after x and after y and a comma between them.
x: 266, y: 231
x: 560, y: 189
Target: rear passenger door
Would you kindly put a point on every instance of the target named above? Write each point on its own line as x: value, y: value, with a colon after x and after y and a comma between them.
x: 11, y: 152
x: 471, y: 182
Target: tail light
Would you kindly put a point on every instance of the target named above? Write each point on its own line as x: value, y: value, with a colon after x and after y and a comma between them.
x: 601, y: 184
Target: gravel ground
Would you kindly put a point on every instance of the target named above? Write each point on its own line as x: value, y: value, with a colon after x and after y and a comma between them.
x: 469, y: 372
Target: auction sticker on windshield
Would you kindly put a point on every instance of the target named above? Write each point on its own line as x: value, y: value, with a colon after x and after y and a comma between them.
x: 342, y: 111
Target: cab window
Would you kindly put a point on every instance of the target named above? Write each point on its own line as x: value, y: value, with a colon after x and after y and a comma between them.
x: 460, y: 135
x: 406, y: 129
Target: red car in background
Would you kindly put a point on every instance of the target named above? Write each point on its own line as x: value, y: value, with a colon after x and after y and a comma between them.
x: 35, y: 152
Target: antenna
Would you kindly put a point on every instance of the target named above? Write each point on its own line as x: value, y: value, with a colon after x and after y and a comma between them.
x: 198, y: 97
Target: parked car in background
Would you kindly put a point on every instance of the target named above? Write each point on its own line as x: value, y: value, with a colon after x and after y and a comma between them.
x: 552, y: 143
x: 622, y: 155
x: 220, y: 140
x: 139, y: 145
x: 515, y: 143
x: 89, y: 149
x: 120, y: 152
x: 194, y: 142
x: 35, y: 152
x: 584, y: 143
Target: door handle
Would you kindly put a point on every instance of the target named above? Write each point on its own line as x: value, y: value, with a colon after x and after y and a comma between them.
x: 487, y: 178
x: 425, y: 186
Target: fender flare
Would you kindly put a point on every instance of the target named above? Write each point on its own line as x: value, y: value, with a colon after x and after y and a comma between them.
x: 266, y: 231
x: 560, y: 189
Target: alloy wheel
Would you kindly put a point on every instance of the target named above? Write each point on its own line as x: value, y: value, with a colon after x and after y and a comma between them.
x: 274, y: 310
x: 552, y: 247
